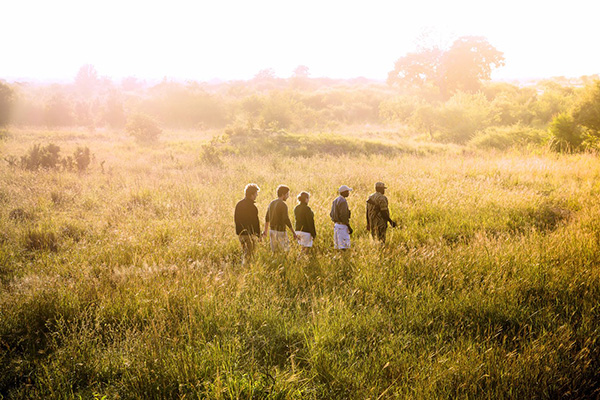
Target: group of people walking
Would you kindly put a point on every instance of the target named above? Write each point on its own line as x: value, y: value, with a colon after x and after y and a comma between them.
x: 277, y: 221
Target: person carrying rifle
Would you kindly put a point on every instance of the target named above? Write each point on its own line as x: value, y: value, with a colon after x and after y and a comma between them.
x: 378, y: 213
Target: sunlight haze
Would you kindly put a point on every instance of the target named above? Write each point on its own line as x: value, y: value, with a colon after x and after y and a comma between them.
x: 235, y: 39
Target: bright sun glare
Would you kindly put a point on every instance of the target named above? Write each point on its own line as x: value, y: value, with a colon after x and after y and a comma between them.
x: 236, y: 39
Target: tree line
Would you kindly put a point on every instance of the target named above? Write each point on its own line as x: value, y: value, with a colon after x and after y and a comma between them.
x: 443, y: 94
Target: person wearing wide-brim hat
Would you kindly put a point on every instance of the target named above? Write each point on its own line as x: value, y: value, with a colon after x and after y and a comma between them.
x: 340, y: 215
x: 378, y: 213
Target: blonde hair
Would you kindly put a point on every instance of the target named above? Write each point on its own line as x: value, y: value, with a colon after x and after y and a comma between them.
x: 303, y: 196
x: 251, y: 188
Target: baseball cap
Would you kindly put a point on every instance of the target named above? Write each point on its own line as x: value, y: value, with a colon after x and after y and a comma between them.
x: 380, y: 185
x: 344, y: 188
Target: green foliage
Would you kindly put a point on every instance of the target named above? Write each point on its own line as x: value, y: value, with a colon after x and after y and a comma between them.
x: 48, y: 157
x: 82, y: 157
x: 554, y: 100
x: 130, y: 285
x: 58, y: 111
x: 398, y: 109
x: 462, y: 67
x: 143, y: 128
x: 463, y: 115
x: 505, y: 137
x: 39, y: 156
x: 295, y: 145
x: 7, y: 100
x: 566, y: 134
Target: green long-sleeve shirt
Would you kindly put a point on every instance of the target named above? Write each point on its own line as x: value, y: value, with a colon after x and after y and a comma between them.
x: 305, y: 219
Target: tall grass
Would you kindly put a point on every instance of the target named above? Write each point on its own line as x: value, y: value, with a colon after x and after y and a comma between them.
x: 489, y: 289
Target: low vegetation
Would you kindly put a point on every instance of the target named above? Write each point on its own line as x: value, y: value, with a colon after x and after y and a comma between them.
x: 126, y: 281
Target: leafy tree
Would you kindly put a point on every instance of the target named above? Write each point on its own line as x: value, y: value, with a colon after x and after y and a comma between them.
x: 426, y: 117
x: 417, y: 69
x: 554, y: 99
x: 301, y: 72
x: 469, y: 61
x: 462, y: 67
x: 587, y: 110
x: 58, y: 111
x: 87, y: 78
x: 7, y: 100
x: 463, y: 116
x: 113, y: 111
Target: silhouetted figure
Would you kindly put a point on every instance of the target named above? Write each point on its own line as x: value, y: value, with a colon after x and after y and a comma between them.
x: 247, y: 225
x: 277, y: 220
x: 305, y: 223
x: 378, y: 213
x: 340, y: 215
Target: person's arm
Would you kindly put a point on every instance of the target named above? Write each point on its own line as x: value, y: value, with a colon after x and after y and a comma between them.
x: 236, y: 219
x: 267, y: 218
x: 344, y: 215
x: 385, y: 212
x: 311, y: 223
x: 256, y: 222
x: 288, y: 223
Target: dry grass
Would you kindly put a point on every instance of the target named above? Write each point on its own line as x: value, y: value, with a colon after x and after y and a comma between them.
x: 488, y: 290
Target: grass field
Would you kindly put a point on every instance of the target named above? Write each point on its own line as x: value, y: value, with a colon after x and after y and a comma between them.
x: 125, y: 281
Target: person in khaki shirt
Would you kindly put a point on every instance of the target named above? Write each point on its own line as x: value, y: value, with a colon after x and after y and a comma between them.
x: 378, y: 213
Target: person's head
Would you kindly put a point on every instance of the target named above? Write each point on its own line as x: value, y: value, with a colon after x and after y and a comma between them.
x: 344, y: 191
x: 283, y: 192
x: 303, y: 197
x: 380, y: 187
x: 251, y: 191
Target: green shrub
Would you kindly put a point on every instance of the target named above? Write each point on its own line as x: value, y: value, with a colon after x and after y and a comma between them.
x: 41, y: 157
x: 82, y: 158
x: 210, y: 155
x: 143, y: 128
x: 463, y: 116
x: 566, y: 135
x: 504, y: 137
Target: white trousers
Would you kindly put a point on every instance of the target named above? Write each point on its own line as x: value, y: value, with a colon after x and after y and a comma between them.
x: 341, y: 236
x: 304, y: 239
x: 279, y: 241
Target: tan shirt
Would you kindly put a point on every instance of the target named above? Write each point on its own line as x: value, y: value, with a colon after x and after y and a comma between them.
x: 376, y: 203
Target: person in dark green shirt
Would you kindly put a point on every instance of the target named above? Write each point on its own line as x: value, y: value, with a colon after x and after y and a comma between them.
x: 305, y: 223
x: 277, y: 220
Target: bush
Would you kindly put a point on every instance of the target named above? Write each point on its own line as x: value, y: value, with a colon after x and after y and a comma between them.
x: 210, y: 155
x: 48, y: 157
x: 82, y: 158
x: 143, y: 128
x: 566, y: 135
x: 463, y: 116
x: 41, y: 157
x: 504, y: 137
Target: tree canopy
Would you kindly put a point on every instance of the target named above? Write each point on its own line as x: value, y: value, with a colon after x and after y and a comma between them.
x: 462, y: 67
x: 7, y: 98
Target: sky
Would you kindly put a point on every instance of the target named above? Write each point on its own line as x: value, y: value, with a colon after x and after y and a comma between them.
x: 235, y: 39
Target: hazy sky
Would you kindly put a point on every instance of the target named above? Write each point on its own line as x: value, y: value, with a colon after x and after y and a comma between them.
x: 230, y: 39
